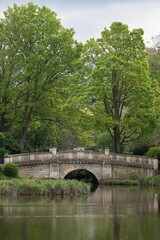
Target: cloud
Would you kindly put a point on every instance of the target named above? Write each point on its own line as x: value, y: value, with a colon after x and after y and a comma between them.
x: 89, y: 17
x: 89, y: 22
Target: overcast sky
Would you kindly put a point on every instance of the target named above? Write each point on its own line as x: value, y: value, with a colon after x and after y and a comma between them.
x: 89, y: 17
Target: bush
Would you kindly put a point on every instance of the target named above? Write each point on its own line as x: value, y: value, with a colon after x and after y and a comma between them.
x: 10, y: 170
x: 146, y: 181
x: 1, y: 168
x: 140, y: 150
x: 156, y: 180
x: 154, y: 152
x: 2, y: 152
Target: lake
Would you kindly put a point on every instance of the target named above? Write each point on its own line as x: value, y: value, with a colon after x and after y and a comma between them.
x: 109, y: 213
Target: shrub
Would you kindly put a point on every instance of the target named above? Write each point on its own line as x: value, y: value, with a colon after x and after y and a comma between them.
x: 10, y: 170
x: 154, y: 152
x: 2, y: 152
x: 146, y: 181
x: 140, y: 150
x: 156, y: 180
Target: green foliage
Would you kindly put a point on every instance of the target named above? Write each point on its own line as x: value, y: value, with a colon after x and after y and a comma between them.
x: 8, y: 144
x: 43, y: 187
x: 39, y: 63
x: 1, y: 171
x: 122, y: 94
x: 156, y: 180
x: 10, y: 170
x: 103, y: 140
x: 146, y: 181
x: 126, y: 182
x: 51, y: 94
x: 140, y: 150
x: 154, y: 58
x: 150, y: 181
x: 154, y: 152
x: 2, y: 151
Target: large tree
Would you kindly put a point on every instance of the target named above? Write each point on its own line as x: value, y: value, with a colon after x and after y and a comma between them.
x: 154, y: 64
x: 122, y: 93
x: 38, y: 60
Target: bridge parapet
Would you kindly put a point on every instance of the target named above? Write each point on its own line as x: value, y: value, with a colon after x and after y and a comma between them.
x: 86, y: 155
x: 27, y: 157
x: 134, y: 159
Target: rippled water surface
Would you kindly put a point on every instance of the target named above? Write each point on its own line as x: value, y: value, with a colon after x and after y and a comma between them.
x: 110, y: 213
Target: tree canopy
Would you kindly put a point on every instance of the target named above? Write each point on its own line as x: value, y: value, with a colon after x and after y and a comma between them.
x: 122, y: 92
x: 38, y: 62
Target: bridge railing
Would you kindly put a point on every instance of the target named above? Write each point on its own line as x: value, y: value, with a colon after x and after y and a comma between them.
x: 27, y: 157
x: 80, y: 155
x: 134, y: 159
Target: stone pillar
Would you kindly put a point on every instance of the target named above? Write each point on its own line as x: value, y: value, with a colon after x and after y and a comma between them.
x: 79, y: 152
x: 53, y: 151
x: 106, y: 152
x: 7, y: 159
x: 155, y: 164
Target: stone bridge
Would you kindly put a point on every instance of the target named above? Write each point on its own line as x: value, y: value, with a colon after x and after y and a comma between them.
x: 102, y: 165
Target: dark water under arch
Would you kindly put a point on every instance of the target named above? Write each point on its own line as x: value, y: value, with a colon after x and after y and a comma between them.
x: 82, y: 174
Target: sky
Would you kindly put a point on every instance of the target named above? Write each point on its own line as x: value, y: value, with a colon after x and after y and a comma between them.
x: 90, y: 17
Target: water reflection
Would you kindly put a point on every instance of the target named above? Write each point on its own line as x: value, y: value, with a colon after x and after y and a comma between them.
x: 114, y: 213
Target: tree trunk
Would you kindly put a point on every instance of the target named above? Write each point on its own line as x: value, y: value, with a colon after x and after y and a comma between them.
x: 23, y: 131
x: 3, y: 123
x: 117, y: 146
x: 23, y: 138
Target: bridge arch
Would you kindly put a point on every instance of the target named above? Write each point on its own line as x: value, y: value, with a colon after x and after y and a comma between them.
x: 82, y: 174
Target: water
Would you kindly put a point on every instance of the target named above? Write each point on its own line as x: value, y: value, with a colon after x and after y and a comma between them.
x: 110, y: 213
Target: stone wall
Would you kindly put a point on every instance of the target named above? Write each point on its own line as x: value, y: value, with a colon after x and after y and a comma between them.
x: 123, y: 172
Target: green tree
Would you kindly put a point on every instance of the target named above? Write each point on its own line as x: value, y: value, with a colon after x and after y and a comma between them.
x: 122, y: 94
x: 38, y: 63
x: 154, y: 64
x: 154, y: 58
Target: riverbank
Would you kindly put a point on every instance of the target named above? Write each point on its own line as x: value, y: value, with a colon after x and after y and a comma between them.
x: 50, y: 187
x: 122, y: 182
x: 144, y: 181
x: 47, y: 187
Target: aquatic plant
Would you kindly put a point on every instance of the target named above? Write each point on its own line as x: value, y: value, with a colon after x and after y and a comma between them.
x: 43, y: 187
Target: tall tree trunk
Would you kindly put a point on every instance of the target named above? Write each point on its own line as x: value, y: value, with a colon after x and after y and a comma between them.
x: 2, y: 123
x: 24, y: 128
x: 23, y: 137
x: 117, y: 145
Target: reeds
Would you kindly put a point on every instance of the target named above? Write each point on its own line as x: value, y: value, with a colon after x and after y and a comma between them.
x: 150, y: 181
x: 16, y: 187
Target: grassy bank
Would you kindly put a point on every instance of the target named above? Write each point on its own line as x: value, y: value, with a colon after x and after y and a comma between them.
x: 125, y: 182
x: 144, y: 181
x: 150, y: 181
x: 16, y: 187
